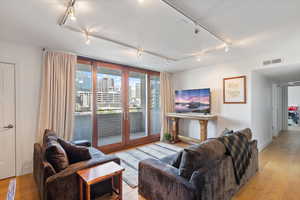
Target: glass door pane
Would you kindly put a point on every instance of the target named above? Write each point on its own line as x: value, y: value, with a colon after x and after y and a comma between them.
x: 83, y: 103
x: 137, y: 104
x: 155, y: 118
x: 109, y: 106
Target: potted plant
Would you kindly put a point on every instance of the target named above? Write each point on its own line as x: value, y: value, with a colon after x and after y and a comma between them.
x: 168, y: 137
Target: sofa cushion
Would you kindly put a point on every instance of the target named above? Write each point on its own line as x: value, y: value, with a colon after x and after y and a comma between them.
x: 173, y: 160
x: 56, y: 155
x: 198, y: 156
x: 75, y: 153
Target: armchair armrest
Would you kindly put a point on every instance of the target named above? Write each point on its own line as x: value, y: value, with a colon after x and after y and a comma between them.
x: 84, y: 143
x: 65, y: 185
x: 158, y: 180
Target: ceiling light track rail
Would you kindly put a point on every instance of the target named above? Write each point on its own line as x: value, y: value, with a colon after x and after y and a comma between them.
x: 70, y: 13
x: 69, y: 10
x: 120, y: 43
x: 195, y: 22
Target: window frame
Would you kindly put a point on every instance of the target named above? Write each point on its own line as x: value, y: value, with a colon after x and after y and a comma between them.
x: 125, y: 69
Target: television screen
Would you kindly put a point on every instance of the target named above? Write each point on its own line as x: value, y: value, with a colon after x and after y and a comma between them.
x: 197, y: 101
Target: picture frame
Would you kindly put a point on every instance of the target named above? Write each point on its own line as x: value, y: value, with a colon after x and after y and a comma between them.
x: 235, y: 90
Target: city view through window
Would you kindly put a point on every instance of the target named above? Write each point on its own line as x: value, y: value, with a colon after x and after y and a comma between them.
x: 108, y: 93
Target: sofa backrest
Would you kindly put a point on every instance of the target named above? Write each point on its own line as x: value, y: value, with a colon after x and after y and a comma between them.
x: 212, y: 147
x: 199, y: 156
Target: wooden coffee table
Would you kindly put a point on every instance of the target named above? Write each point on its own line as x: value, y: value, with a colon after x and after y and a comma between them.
x: 98, y: 174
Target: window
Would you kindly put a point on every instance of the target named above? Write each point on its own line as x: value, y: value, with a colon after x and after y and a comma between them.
x: 83, y: 103
x: 155, y: 105
x: 116, y: 106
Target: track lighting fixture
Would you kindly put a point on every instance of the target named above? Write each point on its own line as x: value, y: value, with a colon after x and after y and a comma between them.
x: 139, y: 52
x: 72, y: 13
x: 69, y: 13
x: 226, y: 47
x: 87, y: 38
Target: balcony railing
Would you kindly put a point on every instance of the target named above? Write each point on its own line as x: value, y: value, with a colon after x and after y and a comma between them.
x: 110, y: 128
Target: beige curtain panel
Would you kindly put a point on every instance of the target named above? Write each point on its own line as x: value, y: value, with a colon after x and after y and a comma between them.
x: 57, y: 94
x: 166, y: 100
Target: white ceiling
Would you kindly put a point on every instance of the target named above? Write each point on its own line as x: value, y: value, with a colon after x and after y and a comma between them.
x: 254, y: 26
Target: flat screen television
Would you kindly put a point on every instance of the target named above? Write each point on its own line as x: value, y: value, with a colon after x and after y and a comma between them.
x: 196, y: 101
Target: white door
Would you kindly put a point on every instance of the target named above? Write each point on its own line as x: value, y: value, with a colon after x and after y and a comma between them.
x: 7, y: 120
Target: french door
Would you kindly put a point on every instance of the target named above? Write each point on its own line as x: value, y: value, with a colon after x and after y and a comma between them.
x: 121, y: 106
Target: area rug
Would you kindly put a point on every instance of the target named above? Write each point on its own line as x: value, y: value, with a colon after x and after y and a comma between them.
x: 130, y: 159
x: 11, y: 190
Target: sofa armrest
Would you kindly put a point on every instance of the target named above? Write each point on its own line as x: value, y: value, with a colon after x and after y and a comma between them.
x: 158, y: 180
x: 84, y: 143
x: 65, y: 185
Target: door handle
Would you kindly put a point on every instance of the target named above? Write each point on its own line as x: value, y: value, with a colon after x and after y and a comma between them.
x: 9, y: 126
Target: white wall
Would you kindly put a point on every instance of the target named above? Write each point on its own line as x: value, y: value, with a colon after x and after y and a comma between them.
x: 232, y: 116
x: 261, y: 109
x: 28, y: 61
x: 294, y: 95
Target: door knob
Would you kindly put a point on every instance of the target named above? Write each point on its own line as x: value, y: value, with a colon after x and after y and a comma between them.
x: 9, y: 126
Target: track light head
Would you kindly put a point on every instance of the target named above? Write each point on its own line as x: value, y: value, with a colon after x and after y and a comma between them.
x: 139, y: 52
x: 72, y: 13
x: 87, y: 38
x: 226, y: 48
x: 196, y: 31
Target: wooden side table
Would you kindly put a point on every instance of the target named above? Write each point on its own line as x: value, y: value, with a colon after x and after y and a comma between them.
x: 98, y: 174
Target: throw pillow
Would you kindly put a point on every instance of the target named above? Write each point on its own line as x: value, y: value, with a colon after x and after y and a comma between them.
x: 177, y: 160
x: 75, y: 153
x: 48, y: 136
x: 56, y: 156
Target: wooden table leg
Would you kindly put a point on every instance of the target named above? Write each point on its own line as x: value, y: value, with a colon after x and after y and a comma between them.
x: 81, y: 188
x: 88, y: 192
x: 175, y: 129
x: 203, y: 130
x: 120, y: 187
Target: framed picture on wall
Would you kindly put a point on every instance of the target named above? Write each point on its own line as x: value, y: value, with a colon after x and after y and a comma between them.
x: 234, y: 90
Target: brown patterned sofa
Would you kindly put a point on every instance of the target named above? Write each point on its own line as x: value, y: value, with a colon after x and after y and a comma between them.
x: 215, y: 180
x: 64, y: 185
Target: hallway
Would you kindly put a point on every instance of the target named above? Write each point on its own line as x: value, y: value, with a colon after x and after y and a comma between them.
x: 279, y: 171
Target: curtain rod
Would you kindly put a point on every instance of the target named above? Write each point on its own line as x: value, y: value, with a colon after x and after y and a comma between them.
x: 59, y: 51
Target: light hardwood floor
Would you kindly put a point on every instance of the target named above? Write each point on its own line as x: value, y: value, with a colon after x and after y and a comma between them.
x: 277, y: 179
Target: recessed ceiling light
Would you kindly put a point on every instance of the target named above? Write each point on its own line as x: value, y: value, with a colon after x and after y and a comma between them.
x: 141, y: 1
x: 198, y: 59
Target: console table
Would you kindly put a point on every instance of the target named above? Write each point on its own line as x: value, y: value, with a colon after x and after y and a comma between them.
x: 202, y: 118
